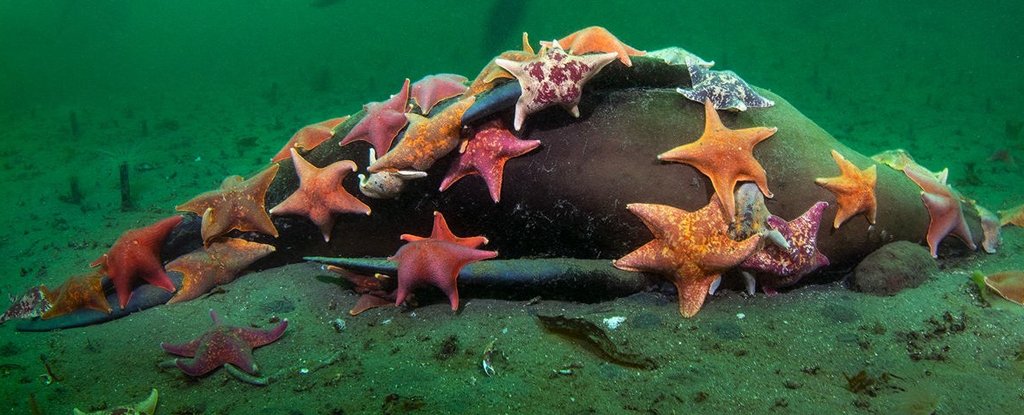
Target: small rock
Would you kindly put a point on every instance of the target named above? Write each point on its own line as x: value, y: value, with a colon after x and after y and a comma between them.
x: 613, y: 322
x: 892, y: 268
x: 339, y: 325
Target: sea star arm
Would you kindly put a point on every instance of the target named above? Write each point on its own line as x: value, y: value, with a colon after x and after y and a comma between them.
x: 257, y: 337
x: 181, y: 349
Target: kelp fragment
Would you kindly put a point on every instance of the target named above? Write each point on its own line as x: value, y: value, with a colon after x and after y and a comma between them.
x: 595, y: 339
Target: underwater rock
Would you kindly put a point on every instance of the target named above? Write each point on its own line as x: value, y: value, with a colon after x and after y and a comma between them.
x: 893, y: 268
x: 568, y: 199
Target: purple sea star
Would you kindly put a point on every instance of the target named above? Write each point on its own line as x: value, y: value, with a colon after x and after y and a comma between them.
x: 779, y: 267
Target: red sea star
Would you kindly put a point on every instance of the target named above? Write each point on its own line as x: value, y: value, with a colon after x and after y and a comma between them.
x: 486, y: 154
x: 725, y: 156
x: 432, y: 89
x: 310, y: 136
x: 553, y: 78
x: 690, y: 249
x: 238, y: 204
x: 136, y: 254
x: 214, y: 265
x: 441, y: 231
x: 320, y: 194
x: 381, y: 122
x: 375, y: 291
x: 436, y: 261
x: 221, y: 346
x: 944, y: 209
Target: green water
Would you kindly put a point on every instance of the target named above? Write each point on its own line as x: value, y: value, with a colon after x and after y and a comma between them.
x: 187, y: 92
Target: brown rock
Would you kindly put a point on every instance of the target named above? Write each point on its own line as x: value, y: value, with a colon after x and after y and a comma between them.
x: 892, y: 268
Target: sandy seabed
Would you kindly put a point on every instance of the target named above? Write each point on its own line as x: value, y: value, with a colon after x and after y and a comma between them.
x: 935, y: 348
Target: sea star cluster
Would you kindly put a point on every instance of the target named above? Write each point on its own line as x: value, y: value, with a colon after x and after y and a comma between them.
x: 481, y: 127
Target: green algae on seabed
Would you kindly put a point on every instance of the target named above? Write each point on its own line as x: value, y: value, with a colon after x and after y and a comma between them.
x: 594, y: 340
x: 979, y: 280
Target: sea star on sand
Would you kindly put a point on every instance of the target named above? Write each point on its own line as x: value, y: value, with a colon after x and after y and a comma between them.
x: 222, y: 345
x: 374, y: 291
x: 1009, y: 285
x: 436, y: 261
x: 1012, y: 216
x: 76, y: 293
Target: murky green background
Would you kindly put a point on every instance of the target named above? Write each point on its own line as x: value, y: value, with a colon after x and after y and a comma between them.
x: 221, y: 85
